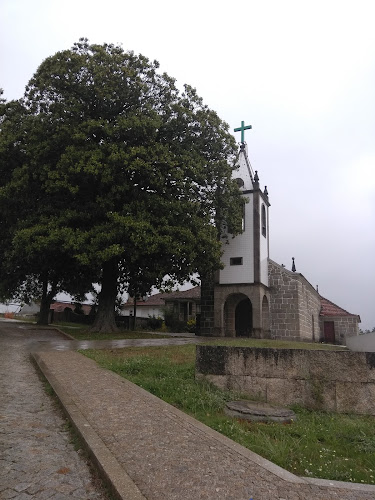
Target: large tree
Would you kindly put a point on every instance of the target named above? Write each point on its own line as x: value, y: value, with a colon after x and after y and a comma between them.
x: 34, y: 261
x: 139, y: 174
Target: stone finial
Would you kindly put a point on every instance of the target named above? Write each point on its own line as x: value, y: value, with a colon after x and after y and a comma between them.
x: 265, y: 191
x: 293, y: 265
x: 256, y: 179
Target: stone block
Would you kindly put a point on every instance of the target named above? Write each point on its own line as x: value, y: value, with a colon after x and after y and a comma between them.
x: 236, y: 363
x: 320, y: 394
x: 355, y: 398
x: 284, y: 391
x: 254, y: 387
x: 341, y: 366
x: 220, y: 381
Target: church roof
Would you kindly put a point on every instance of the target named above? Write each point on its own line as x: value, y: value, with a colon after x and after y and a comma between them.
x: 328, y: 308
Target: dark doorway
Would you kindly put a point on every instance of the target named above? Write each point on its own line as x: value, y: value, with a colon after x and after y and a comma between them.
x: 329, y: 332
x: 244, y: 318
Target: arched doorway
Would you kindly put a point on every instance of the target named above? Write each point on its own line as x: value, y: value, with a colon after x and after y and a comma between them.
x: 238, y: 315
x: 244, y: 318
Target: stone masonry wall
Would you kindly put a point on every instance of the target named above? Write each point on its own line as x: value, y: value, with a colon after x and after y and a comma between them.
x: 308, y: 310
x: 345, y: 326
x: 341, y: 381
x: 206, y: 323
x: 294, y: 305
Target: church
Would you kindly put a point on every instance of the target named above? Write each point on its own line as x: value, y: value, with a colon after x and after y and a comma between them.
x: 253, y: 296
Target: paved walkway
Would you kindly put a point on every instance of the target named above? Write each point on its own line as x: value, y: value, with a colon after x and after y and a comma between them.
x: 150, y: 450
x: 37, y: 460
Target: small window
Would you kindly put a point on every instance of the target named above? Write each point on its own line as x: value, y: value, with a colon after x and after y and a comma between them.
x: 236, y: 261
x: 264, y: 221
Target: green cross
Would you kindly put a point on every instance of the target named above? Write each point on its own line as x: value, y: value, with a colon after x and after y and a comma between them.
x: 242, y: 130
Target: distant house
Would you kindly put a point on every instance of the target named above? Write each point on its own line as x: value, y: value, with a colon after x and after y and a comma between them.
x: 9, y: 308
x: 57, y: 307
x: 186, y: 304
x: 60, y: 306
x: 29, y: 309
x: 146, y: 307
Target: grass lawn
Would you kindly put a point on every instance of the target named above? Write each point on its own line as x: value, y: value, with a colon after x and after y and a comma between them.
x: 81, y: 332
x: 275, y: 344
x: 318, y: 444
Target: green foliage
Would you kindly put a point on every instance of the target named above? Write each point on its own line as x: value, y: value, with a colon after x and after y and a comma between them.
x: 123, y: 179
x: 154, y: 323
x: 173, y: 322
x: 191, y: 325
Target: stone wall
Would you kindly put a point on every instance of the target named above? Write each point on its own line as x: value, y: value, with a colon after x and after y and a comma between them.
x: 206, y: 319
x: 340, y: 381
x: 294, y: 305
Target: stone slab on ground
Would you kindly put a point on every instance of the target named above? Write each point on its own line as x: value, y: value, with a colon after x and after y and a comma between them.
x: 258, y: 411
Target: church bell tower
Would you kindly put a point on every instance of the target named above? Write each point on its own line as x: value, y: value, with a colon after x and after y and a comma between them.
x: 236, y: 303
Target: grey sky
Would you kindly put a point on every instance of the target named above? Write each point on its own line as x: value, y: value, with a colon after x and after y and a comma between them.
x: 302, y: 73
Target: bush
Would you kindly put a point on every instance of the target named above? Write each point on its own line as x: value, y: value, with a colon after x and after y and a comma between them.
x: 173, y: 322
x: 191, y: 326
x: 154, y: 323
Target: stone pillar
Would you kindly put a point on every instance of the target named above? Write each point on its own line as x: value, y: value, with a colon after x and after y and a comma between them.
x: 257, y: 313
x: 207, y: 306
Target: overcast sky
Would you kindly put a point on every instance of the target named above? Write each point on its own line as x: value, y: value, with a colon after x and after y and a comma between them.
x: 302, y: 73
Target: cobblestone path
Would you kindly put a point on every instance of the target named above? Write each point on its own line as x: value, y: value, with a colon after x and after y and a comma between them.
x: 37, y: 459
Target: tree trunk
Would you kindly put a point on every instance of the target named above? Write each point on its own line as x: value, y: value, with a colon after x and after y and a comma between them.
x: 135, y: 311
x: 105, y: 317
x: 46, y: 302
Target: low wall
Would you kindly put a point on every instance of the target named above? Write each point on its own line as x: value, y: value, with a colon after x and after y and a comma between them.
x: 340, y: 381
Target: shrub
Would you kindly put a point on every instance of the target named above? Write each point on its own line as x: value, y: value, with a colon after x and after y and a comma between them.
x: 154, y: 323
x: 191, y: 325
x: 173, y: 322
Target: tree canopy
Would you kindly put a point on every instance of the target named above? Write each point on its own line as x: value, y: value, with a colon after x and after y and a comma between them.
x: 122, y: 178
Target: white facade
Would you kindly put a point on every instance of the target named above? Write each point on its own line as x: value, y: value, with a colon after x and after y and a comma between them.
x: 241, y: 254
x: 143, y: 311
x: 264, y: 242
x: 239, y: 247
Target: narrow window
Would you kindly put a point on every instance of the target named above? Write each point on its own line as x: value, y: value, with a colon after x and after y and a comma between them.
x: 236, y: 261
x: 264, y: 222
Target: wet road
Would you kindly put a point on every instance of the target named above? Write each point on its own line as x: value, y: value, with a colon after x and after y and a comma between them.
x: 74, y: 345
x: 37, y: 459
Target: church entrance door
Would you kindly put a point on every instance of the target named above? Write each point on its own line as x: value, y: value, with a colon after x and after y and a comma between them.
x: 329, y: 332
x: 244, y: 318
